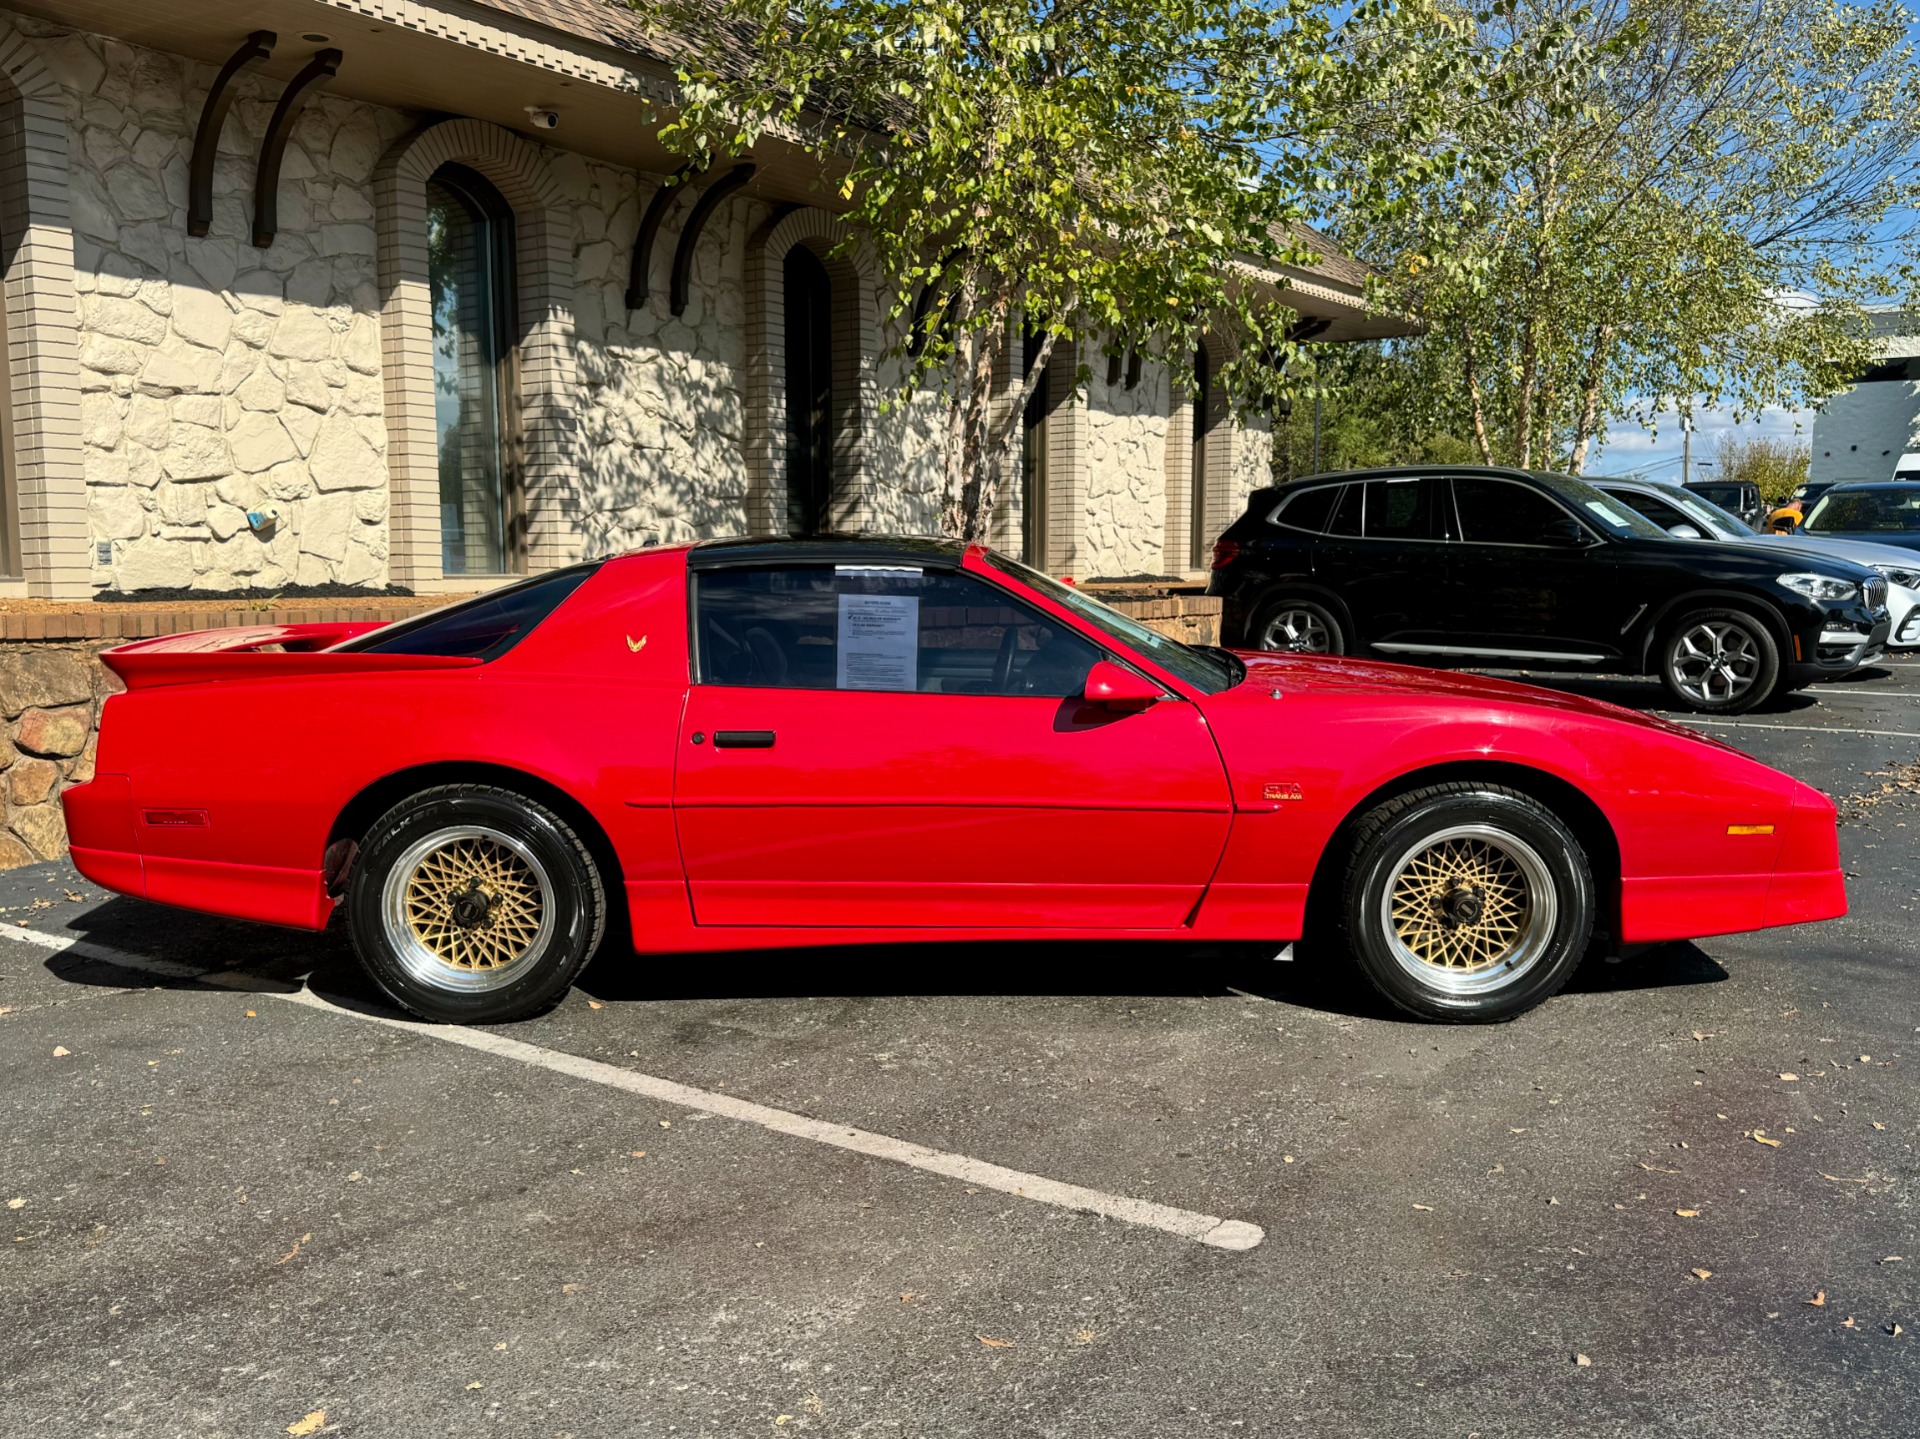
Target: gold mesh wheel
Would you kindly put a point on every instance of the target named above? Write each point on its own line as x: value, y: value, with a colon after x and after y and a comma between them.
x: 468, y: 908
x: 1469, y: 909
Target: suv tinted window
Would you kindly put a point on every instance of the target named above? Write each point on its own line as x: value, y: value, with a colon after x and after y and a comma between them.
x: 1346, y: 514
x: 1895, y: 511
x: 1309, y: 510
x: 484, y: 627
x: 1500, y: 512
x: 856, y: 627
x: 1659, y: 511
x: 1403, y: 509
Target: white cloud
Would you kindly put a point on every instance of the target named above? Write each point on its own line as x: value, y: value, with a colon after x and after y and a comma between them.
x: 1657, y: 451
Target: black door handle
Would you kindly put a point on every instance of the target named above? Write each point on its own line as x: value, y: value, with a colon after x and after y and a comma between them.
x: 743, y: 739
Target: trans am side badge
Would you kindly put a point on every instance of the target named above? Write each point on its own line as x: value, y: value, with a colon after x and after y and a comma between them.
x: 636, y: 645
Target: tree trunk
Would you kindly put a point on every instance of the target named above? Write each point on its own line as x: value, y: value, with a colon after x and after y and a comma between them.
x: 1529, y: 386
x: 1590, y: 397
x: 1473, y: 392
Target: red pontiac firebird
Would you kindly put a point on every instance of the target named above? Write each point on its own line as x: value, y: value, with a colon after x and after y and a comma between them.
x: 754, y: 743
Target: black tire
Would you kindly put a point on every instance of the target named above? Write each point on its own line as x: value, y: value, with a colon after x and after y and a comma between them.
x: 1718, y: 661
x: 1313, y: 627
x: 1466, y: 902
x: 474, y: 904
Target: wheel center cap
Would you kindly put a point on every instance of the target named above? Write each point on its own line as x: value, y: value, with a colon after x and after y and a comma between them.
x: 1463, y: 906
x: 470, y: 910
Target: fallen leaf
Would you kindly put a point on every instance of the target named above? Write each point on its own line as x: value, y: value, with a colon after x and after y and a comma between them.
x: 1866, y: 1059
x: 252, y: 1015
x: 302, y: 1240
x: 309, y: 1425
x: 1760, y: 1137
x: 1516, y: 1131
x: 782, y: 1419
x: 16, y: 1204
x: 501, y: 1345
x: 1876, y: 1123
x: 636, y: 1154
x: 1841, y: 1178
x: 1699, y: 1035
x: 1656, y: 1169
x: 1582, y: 1361
x: 1701, y: 1273
x: 908, y: 1297
x: 1425, y: 1208
x: 1789, y: 1076
x: 1895, y: 1330
x: 1819, y: 1300
x: 993, y: 1343
x: 60, y: 1051
x: 76, y: 898
x: 1085, y: 1336
x: 476, y: 1385
x: 6, y: 1009
x: 569, y: 1288
x: 355, y: 1177
x: 1688, y: 1213
x: 666, y: 1124
x: 1848, y: 1323
x: 1893, y: 1259
x: 595, y: 1004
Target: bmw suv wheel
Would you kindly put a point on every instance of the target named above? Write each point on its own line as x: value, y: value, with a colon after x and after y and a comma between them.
x: 1299, y: 627
x: 1718, y: 661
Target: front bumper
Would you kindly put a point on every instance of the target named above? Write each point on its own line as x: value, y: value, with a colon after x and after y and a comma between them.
x: 1846, y: 637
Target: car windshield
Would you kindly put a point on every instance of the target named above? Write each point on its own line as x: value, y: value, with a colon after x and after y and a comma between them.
x: 1208, y: 671
x: 1705, y: 512
x: 1601, y: 509
x: 1853, y: 511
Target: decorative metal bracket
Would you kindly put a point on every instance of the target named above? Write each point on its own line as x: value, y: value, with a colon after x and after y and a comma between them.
x: 680, y: 282
x: 213, y: 116
x: 650, y: 221
x: 273, y: 146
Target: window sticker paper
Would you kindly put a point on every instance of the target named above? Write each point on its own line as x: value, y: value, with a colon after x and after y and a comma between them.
x: 879, y: 642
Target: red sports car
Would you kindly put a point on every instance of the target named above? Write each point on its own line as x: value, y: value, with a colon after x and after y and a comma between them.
x: 754, y: 743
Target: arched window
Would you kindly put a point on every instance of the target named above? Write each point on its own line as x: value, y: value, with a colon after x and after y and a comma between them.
x: 808, y: 293
x: 1201, y: 402
x: 470, y: 267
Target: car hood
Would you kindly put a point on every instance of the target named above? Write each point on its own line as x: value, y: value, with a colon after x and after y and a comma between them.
x: 1325, y: 674
x: 1861, y: 552
x: 1907, y: 541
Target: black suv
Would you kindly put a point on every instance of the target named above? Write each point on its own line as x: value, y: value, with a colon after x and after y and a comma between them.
x: 1509, y: 568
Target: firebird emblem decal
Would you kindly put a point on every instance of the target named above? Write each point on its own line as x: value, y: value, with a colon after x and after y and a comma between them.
x: 636, y: 645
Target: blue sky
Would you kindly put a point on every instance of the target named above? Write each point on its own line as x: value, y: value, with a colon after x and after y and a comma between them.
x: 1632, y: 447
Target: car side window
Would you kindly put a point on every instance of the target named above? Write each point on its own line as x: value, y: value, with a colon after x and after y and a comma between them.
x: 1310, y: 510
x: 1659, y: 511
x: 1500, y: 512
x: 1403, y: 510
x: 880, y: 627
x: 1346, y: 513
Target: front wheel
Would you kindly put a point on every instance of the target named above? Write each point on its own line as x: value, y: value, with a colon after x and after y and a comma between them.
x: 471, y: 904
x: 1299, y: 627
x: 1466, y: 902
x: 1717, y: 661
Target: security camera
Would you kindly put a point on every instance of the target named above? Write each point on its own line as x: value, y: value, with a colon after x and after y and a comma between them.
x: 543, y: 119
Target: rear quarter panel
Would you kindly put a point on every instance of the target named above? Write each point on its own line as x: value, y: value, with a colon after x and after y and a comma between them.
x: 589, y: 703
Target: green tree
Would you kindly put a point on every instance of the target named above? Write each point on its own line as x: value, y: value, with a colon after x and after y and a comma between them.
x: 1776, y: 466
x: 1126, y: 169
x: 1697, y: 222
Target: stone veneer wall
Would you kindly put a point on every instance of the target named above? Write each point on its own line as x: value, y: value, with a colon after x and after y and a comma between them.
x: 50, y: 697
x: 217, y: 377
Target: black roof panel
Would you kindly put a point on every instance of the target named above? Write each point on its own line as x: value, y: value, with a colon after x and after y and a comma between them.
x: 925, y: 550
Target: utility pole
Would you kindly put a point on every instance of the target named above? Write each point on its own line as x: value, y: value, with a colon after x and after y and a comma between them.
x: 1686, y: 447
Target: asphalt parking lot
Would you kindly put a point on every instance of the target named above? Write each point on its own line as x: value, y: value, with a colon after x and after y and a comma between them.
x: 1678, y: 1200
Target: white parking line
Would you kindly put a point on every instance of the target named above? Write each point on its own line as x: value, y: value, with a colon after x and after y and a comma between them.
x: 1205, y: 1229
x: 1801, y: 728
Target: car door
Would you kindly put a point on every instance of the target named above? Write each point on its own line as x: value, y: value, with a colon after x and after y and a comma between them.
x: 1526, y: 581
x: 1384, y: 555
x: 905, y: 746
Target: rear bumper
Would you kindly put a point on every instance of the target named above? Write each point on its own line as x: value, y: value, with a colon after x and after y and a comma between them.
x: 101, y: 835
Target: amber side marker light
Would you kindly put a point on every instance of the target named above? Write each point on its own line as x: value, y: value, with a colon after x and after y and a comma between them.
x: 1749, y: 829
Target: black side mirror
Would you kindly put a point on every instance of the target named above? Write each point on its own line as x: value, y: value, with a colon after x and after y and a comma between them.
x: 1566, y: 533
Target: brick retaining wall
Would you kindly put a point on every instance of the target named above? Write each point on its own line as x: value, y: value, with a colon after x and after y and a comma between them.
x: 52, y: 684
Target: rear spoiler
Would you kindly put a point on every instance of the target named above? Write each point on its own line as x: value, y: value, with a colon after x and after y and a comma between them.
x: 259, y: 652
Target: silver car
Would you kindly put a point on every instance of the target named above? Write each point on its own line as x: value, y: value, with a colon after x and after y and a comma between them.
x: 1689, y: 516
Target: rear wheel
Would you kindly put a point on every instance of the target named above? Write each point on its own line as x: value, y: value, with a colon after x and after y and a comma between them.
x: 1299, y: 627
x: 471, y: 903
x: 1466, y: 902
x: 1718, y: 661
